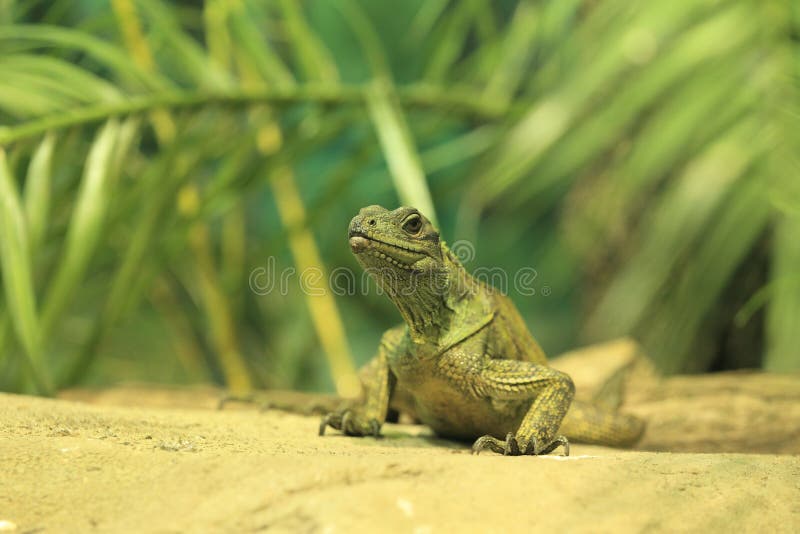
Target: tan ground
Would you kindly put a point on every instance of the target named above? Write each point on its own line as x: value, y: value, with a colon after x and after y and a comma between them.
x: 123, y: 462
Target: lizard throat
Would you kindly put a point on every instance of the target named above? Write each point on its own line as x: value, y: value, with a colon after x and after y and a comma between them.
x: 420, y: 296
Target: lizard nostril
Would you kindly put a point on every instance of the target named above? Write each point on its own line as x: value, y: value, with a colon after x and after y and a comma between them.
x: 371, y: 222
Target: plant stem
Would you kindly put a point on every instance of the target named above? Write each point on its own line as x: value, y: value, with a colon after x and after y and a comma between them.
x: 461, y: 101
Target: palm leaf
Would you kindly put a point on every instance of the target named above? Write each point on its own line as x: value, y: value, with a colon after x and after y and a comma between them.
x: 17, y: 278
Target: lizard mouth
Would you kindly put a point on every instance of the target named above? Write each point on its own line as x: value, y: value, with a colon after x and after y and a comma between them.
x: 397, y: 255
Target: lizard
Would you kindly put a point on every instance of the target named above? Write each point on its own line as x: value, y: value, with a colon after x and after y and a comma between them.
x: 463, y: 362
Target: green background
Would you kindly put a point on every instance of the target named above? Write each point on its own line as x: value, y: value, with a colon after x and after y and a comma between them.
x: 642, y: 157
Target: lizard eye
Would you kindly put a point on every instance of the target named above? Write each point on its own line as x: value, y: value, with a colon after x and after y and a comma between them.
x: 413, y: 224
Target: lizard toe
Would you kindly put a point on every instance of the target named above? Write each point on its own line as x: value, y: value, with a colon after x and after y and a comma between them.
x: 350, y: 424
x: 375, y: 428
x: 530, y: 447
x: 560, y: 441
x: 332, y: 420
x: 488, y: 442
x: 511, y: 447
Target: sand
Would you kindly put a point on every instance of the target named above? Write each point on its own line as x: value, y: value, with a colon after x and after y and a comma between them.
x: 721, y: 453
x: 146, y: 459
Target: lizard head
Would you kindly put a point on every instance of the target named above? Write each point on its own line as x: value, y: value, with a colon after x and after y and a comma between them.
x: 399, y: 240
x: 402, y: 252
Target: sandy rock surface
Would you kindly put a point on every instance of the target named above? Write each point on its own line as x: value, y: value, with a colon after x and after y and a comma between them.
x: 156, y: 460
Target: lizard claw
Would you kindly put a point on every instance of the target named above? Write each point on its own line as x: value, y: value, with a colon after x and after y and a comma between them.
x: 350, y: 424
x: 326, y: 420
x: 514, y: 446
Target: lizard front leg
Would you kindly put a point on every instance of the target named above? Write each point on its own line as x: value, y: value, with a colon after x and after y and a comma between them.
x: 551, y: 393
x: 378, y: 383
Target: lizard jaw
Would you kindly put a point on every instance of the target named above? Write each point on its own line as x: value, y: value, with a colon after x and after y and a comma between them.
x: 385, y: 252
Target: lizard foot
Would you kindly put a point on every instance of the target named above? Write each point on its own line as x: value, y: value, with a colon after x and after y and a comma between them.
x: 513, y: 446
x: 350, y: 424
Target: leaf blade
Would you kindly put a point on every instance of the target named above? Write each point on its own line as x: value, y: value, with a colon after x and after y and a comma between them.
x: 18, y: 276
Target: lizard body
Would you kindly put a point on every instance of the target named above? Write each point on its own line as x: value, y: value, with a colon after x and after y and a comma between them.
x: 463, y: 362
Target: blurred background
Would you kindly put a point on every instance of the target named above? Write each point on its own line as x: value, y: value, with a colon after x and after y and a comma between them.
x: 162, y: 162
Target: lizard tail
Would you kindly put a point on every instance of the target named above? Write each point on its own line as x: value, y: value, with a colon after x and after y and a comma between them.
x: 589, y: 423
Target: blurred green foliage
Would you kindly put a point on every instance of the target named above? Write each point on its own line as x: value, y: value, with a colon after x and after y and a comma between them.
x: 641, y: 156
